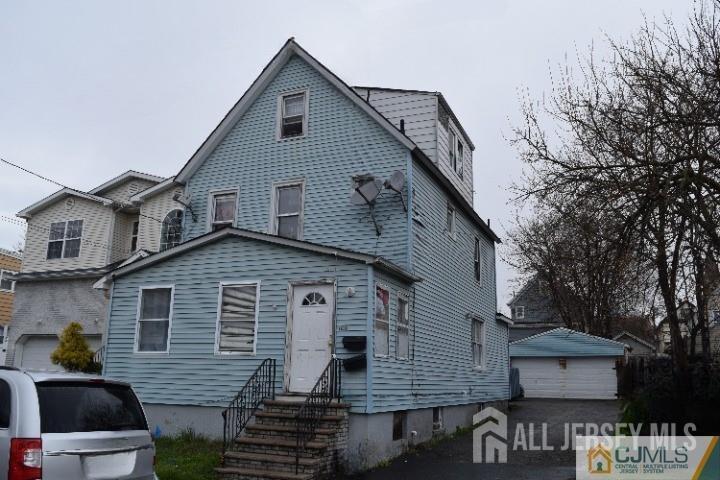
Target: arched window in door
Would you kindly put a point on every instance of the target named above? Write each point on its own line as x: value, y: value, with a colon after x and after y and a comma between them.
x: 313, y: 298
x: 171, y: 233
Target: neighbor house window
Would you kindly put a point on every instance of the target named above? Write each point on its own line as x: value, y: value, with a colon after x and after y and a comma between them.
x: 5, y: 283
x: 171, y: 231
x: 450, y: 220
x: 65, y: 239
x: 519, y: 312
x: 293, y: 115
x: 224, y: 207
x: 477, y: 343
x: 236, y: 330
x: 382, y: 322
x: 402, y: 337
x: 288, y: 210
x: 134, y: 236
x: 477, y: 261
x: 154, y: 317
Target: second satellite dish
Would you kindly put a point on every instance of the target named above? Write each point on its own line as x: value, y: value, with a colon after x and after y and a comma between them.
x: 367, y: 191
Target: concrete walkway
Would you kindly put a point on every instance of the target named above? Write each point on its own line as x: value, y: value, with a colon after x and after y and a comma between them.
x: 452, y: 459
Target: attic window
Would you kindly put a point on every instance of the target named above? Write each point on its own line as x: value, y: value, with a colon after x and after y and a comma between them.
x: 519, y: 312
x: 293, y: 115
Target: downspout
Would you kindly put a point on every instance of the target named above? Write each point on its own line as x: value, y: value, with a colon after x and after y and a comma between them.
x: 409, y: 212
x: 369, y: 348
x: 107, y: 325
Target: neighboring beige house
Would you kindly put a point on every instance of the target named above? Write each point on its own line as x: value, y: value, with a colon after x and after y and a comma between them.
x: 9, y: 265
x: 638, y: 347
x: 73, y: 239
x: 687, y: 313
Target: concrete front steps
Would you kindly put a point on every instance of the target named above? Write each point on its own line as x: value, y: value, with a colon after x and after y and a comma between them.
x: 266, y: 448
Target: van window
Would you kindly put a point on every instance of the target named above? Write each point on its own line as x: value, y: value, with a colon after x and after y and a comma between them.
x: 4, y: 404
x: 88, y: 407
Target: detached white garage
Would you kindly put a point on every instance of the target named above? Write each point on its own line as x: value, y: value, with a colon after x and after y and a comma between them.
x: 563, y: 363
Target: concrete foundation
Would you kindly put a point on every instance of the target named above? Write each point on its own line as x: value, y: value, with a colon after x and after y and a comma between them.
x: 172, y: 420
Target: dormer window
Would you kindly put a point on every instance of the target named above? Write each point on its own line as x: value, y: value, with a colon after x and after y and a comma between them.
x: 456, y: 152
x: 293, y: 114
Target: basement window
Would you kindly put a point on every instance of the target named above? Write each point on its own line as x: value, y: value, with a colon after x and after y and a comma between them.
x: 437, y: 419
x: 399, y: 425
x: 293, y: 115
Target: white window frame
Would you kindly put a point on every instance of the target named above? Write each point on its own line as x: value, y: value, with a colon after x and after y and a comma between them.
x: 452, y: 228
x: 12, y: 282
x: 134, y: 235
x: 389, y: 319
x: 517, y: 309
x: 136, y: 345
x: 238, y: 283
x: 402, y: 297
x: 281, y: 112
x: 459, y: 157
x: 452, y: 152
x: 478, y: 261
x: 182, y: 226
x: 477, y: 320
x: 64, y: 240
x: 275, y: 203
x: 211, y: 206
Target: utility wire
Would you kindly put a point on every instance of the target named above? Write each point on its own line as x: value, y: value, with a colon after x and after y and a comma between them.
x: 54, y: 182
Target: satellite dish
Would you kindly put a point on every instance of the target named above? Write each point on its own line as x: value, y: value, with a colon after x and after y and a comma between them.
x: 396, y: 181
x: 366, y: 193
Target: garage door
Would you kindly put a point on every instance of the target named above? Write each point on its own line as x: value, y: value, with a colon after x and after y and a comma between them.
x: 583, y: 378
x: 36, y: 350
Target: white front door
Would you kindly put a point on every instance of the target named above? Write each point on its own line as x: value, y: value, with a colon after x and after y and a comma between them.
x: 312, y: 334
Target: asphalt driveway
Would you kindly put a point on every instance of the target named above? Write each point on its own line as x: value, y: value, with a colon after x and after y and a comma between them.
x: 452, y: 458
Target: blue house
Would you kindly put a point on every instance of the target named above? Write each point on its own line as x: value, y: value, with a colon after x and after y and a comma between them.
x: 333, y: 273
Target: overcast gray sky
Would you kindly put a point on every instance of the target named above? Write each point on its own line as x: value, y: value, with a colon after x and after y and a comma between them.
x: 89, y: 89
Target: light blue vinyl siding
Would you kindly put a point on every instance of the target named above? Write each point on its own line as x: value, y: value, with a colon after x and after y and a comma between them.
x: 191, y: 374
x: 342, y: 141
x: 563, y: 342
x: 441, y: 371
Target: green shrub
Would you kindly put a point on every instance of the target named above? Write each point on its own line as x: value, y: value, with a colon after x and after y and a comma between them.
x: 73, y: 352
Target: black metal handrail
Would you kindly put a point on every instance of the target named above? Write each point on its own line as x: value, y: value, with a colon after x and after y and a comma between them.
x: 259, y: 387
x: 309, y: 415
x: 99, y: 356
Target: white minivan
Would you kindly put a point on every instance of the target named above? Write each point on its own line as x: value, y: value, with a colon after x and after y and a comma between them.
x: 62, y: 426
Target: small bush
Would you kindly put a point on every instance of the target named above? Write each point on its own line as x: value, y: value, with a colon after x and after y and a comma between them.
x: 73, y: 352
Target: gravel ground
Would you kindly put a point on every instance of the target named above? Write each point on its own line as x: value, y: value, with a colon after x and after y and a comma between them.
x: 452, y: 458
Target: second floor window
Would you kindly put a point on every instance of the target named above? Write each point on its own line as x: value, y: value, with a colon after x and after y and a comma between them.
x: 450, y: 221
x: 478, y: 262
x: 293, y: 113
x: 6, y: 284
x: 478, y: 339
x: 224, y: 206
x: 65, y: 238
x: 288, y: 211
x: 171, y: 232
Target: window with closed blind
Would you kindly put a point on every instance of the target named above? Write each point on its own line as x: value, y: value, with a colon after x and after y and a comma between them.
x: 236, y: 331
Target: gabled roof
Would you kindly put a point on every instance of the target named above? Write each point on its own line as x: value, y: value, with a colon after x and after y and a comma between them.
x: 271, y: 70
x: 531, y: 281
x: 28, y: 212
x: 154, y: 190
x: 563, y: 342
x: 288, y: 50
x: 123, y: 177
x: 10, y: 253
x: 637, y: 339
x: 197, y: 242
